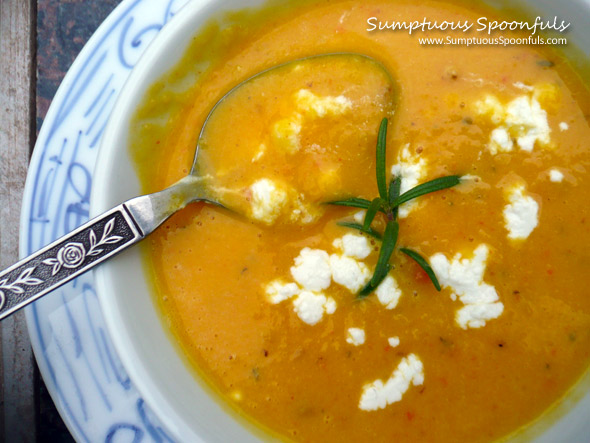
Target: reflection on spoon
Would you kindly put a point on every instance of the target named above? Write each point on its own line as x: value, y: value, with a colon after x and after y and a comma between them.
x: 282, y: 106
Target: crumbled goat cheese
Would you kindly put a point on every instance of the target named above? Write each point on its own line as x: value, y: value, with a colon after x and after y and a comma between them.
x: 521, y: 216
x: 411, y: 168
x: 563, y: 126
x: 285, y: 133
x: 353, y: 245
x: 377, y: 395
x: 267, y: 200
x: 270, y: 200
x: 388, y: 293
x: 303, y: 212
x: 359, y: 216
x: 393, y: 342
x: 312, y: 269
x: 491, y: 107
x: 556, y: 176
x: 355, y: 336
x: 278, y: 291
x: 476, y: 315
x: 348, y: 272
x: 330, y: 306
x: 522, y: 119
x: 526, y: 118
x: 500, y: 140
x: 311, y: 306
x: 317, y: 106
x: 465, y: 278
x: 469, y: 177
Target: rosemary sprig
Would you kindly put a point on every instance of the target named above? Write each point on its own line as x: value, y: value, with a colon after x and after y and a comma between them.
x: 423, y: 264
x: 387, y: 247
x: 371, y: 213
x: 388, y: 203
x: 381, y: 159
x: 394, y: 190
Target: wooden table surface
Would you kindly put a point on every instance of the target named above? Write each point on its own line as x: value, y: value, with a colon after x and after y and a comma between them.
x: 39, y: 39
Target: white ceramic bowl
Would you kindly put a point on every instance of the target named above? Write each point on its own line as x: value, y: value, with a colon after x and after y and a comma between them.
x: 186, y: 406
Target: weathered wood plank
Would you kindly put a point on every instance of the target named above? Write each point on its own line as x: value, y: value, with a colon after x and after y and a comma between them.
x: 17, y: 377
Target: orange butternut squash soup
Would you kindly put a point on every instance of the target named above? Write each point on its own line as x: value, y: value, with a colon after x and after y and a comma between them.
x: 314, y: 321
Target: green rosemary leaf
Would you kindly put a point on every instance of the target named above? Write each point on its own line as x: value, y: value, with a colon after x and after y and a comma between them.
x: 388, y: 202
x: 426, y: 188
x: 371, y: 212
x: 381, y: 159
x: 369, y: 231
x: 394, y: 190
x: 368, y: 288
x: 352, y: 202
x: 423, y: 264
x: 387, y: 247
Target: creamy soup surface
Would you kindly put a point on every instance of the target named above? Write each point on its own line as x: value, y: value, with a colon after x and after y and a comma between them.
x: 265, y: 304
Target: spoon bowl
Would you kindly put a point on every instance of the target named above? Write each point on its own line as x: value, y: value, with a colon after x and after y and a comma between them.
x: 292, y: 117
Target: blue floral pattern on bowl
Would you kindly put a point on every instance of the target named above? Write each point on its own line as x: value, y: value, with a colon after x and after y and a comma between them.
x: 82, y: 372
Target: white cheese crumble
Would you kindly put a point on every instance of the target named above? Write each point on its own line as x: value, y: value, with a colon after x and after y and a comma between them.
x: 470, y: 178
x: 311, y: 306
x: 522, y: 120
x: 359, y: 216
x: 278, y: 291
x: 312, y: 269
x: 563, y: 126
x: 317, y: 106
x: 355, y: 336
x: 330, y: 306
x: 556, y: 176
x: 388, y: 293
x: 267, y: 200
x: 377, y: 395
x: 521, y: 215
x: 491, y: 107
x: 465, y: 278
x: 353, y: 245
x: 411, y: 168
x: 526, y: 118
x: 303, y: 212
x: 348, y: 272
x: 393, y: 341
x: 286, y: 133
x: 521, y: 85
x: 500, y: 141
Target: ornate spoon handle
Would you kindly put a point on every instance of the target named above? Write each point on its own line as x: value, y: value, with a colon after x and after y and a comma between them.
x: 92, y: 243
x: 66, y: 258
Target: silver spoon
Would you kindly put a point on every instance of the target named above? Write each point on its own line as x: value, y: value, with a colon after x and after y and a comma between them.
x: 126, y: 224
